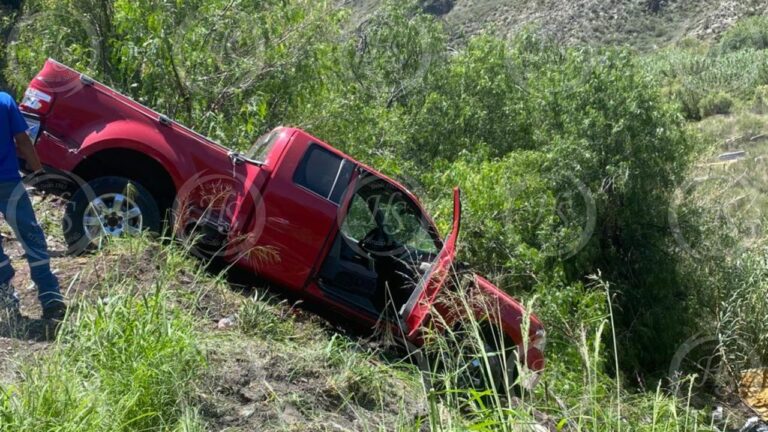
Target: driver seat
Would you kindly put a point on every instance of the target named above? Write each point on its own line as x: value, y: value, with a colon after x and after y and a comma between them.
x: 342, y: 272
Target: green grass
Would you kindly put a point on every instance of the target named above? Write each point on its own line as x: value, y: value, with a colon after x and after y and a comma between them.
x: 259, y: 316
x: 126, y: 362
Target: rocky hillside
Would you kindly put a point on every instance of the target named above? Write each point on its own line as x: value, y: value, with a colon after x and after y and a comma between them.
x: 640, y: 23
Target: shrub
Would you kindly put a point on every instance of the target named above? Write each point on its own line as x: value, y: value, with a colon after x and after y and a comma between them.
x: 742, y: 328
x: 611, y: 130
x: 716, y: 103
x: 605, y: 153
x: 508, y: 214
x: 749, y: 33
x: 688, y: 98
x: 760, y: 102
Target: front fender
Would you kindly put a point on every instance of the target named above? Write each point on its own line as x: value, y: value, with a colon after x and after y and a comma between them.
x: 491, y: 303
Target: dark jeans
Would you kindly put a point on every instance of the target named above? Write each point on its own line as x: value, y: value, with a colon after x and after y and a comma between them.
x: 18, y: 212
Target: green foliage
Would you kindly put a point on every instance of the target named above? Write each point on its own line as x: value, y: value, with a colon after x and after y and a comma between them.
x: 576, y: 314
x: 749, y: 33
x: 258, y: 317
x: 126, y: 364
x: 742, y: 327
x: 475, y: 104
x: 508, y: 213
x: 691, y: 74
x: 375, y: 79
x: 716, y: 103
x: 760, y: 102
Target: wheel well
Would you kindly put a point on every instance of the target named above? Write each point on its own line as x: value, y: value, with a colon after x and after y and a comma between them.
x: 495, y: 334
x: 132, y: 165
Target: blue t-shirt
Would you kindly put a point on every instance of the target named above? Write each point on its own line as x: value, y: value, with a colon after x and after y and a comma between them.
x: 11, y: 124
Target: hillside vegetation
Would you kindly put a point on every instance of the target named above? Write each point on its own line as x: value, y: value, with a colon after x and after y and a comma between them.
x: 589, y: 187
x: 643, y: 24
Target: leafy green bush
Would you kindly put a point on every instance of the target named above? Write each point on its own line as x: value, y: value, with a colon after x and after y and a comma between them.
x: 716, y: 103
x: 610, y: 151
x: 760, y: 102
x: 508, y: 217
x: 749, y: 33
x: 690, y: 74
x: 613, y: 131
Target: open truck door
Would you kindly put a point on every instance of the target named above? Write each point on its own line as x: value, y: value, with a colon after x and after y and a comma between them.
x: 415, y: 312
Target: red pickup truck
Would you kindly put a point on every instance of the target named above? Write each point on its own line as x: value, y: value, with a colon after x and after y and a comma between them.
x: 294, y: 210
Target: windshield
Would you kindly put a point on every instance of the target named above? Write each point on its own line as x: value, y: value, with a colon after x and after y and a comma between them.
x: 263, y: 145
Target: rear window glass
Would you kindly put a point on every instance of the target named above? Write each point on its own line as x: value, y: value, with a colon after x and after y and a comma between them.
x: 324, y: 173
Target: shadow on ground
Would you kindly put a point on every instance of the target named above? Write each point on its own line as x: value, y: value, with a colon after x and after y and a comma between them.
x: 29, y: 329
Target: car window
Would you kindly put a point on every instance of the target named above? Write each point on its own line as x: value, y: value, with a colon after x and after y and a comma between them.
x: 359, y: 220
x: 263, y: 145
x: 404, y: 222
x: 398, y: 216
x: 324, y: 173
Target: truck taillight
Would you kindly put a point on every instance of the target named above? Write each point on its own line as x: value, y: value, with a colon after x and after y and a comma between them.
x: 37, y: 101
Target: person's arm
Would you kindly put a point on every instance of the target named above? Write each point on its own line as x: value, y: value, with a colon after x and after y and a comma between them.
x: 24, y: 146
x: 27, y: 151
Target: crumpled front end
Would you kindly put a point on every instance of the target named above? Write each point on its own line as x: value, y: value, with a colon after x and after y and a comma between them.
x: 493, y: 304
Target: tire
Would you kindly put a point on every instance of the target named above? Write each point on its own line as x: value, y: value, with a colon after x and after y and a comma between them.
x: 495, y: 371
x: 463, y: 354
x: 108, y: 207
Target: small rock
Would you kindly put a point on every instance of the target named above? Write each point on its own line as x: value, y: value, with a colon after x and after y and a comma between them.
x: 247, y: 411
x: 717, y: 414
x: 225, y: 323
x: 437, y: 7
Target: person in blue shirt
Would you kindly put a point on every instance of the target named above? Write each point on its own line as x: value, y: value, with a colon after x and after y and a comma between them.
x: 17, y: 210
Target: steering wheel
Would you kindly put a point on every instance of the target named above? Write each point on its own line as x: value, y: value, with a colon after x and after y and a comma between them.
x: 377, y: 240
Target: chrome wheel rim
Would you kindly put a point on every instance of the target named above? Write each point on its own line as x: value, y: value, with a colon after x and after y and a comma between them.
x: 112, y: 215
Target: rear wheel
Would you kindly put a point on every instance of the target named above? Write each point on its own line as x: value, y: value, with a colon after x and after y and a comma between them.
x: 108, y: 207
